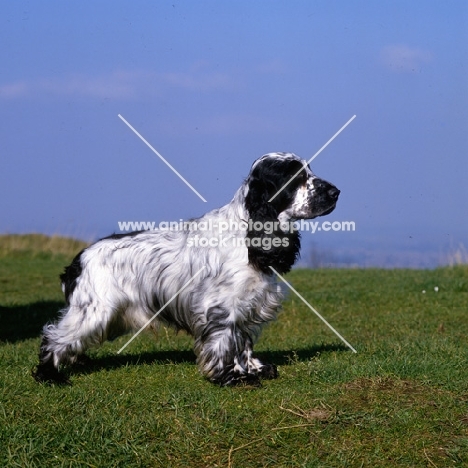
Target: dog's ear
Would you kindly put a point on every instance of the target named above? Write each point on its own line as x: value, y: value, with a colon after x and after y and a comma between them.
x: 256, y: 201
x: 270, y: 247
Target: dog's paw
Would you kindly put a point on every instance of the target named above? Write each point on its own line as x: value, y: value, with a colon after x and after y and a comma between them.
x: 269, y: 372
x: 48, y: 374
x: 249, y: 380
x: 240, y: 380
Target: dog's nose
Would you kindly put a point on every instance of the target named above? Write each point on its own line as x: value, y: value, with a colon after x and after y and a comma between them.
x: 333, y: 192
x: 324, y: 186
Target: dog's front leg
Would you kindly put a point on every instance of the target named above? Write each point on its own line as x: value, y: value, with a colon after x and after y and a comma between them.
x: 255, y: 366
x: 224, y: 350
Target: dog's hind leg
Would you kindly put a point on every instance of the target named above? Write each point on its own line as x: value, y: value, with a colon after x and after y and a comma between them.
x: 78, y: 329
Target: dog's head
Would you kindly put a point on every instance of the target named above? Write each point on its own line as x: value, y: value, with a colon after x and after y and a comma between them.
x: 282, y: 186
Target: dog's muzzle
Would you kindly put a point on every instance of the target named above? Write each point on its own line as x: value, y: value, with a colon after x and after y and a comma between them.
x: 325, y: 188
x: 325, y: 196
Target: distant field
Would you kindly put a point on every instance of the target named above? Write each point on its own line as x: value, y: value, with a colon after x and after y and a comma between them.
x: 402, y: 401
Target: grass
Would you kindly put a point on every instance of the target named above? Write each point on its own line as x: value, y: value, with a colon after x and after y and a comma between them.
x: 401, y: 401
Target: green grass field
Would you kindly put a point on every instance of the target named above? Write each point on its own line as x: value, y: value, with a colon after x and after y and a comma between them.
x: 401, y: 401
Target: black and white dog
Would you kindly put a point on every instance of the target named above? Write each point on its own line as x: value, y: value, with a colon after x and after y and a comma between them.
x: 216, y: 270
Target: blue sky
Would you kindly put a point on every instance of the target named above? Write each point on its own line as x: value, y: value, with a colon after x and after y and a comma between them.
x: 213, y: 85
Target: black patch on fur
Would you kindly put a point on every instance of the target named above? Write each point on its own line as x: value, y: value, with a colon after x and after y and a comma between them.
x: 278, y: 249
x: 70, y: 275
x: 124, y: 234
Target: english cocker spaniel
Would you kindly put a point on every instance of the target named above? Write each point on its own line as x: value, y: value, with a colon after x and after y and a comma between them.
x: 213, y: 278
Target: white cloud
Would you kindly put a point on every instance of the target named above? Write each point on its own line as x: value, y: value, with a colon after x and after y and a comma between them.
x: 121, y: 84
x: 13, y: 90
x: 405, y: 59
x: 116, y: 85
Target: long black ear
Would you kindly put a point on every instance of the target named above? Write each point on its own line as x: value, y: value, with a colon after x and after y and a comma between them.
x: 267, y: 244
x: 256, y: 201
